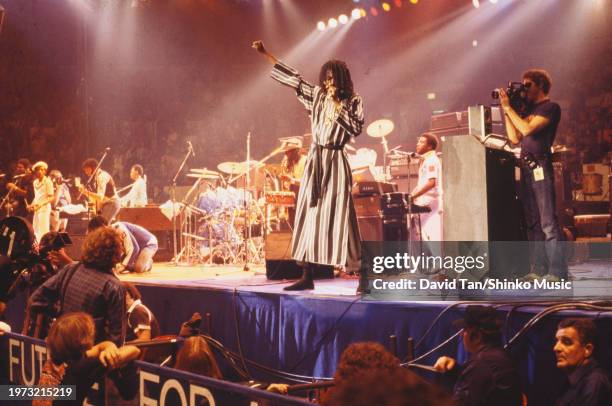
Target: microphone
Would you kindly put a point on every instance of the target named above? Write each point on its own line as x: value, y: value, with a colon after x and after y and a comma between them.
x: 191, y: 148
x: 414, y: 155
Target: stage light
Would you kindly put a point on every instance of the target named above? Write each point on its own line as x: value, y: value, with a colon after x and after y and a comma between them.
x: 356, y: 14
x: 476, y: 3
x: 398, y: 3
x: 475, y: 43
x: 363, y: 12
x: 493, y: 1
x: 333, y: 23
x: 414, y: 1
x: 431, y: 96
x: 321, y: 26
x: 374, y: 11
x: 343, y: 19
x: 386, y: 6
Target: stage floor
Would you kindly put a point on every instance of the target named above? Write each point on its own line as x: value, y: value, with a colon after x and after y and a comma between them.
x: 234, y: 277
x: 591, y: 279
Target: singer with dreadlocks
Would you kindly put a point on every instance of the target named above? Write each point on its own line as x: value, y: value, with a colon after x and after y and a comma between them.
x: 325, y: 230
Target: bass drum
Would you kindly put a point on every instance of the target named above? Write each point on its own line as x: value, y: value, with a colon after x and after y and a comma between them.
x: 16, y: 237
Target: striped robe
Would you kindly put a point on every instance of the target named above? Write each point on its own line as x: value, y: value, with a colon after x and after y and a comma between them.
x: 325, y: 230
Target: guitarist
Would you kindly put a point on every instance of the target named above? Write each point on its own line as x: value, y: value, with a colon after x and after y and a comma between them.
x: 19, y: 190
x: 101, y: 190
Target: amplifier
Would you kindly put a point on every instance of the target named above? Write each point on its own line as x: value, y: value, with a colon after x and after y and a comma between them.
x: 449, y: 120
x: 372, y: 188
x: 152, y: 218
x: 367, y: 205
x: 149, y: 217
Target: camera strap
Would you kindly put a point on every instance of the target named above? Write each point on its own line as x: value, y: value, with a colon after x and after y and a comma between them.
x: 64, y: 286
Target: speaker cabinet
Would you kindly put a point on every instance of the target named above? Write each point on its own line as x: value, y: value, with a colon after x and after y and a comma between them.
x: 480, y: 201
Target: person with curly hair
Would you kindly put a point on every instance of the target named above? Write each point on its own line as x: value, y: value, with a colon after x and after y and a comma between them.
x: 74, y: 359
x: 89, y: 286
x: 325, y: 230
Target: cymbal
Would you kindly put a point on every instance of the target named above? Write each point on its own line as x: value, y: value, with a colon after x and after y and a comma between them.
x: 202, y: 176
x: 204, y: 171
x: 235, y: 168
x: 380, y: 128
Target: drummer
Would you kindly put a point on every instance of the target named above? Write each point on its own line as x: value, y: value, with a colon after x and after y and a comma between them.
x: 292, y: 169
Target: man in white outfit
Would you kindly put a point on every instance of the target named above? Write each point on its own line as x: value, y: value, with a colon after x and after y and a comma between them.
x: 428, y: 191
x: 43, y: 196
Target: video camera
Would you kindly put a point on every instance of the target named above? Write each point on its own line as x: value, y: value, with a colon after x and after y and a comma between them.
x: 517, y: 93
x: 22, y: 264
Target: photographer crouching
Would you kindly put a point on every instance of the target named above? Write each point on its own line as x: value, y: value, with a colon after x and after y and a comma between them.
x: 535, y: 128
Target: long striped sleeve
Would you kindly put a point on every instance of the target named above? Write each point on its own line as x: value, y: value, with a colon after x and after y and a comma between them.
x: 351, y: 116
x: 288, y: 76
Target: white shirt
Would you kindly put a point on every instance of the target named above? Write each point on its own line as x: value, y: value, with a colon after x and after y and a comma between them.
x: 43, y: 190
x: 137, y: 196
x: 430, y: 168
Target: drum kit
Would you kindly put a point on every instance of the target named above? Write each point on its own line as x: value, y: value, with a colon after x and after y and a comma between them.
x: 227, y: 212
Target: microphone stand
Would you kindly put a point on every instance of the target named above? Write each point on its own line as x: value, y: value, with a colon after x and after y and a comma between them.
x: 86, y: 184
x: 173, y: 199
x: 247, y: 217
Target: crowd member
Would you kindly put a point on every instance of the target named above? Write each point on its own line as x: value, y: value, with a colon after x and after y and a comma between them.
x: 195, y: 356
x: 369, y: 374
x: 139, y: 244
x: 385, y: 388
x: 137, y: 196
x: 489, y: 377
x: 43, y: 196
x: 141, y: 324
x: 75, y: 360
x: 89, y: 286
x: 587, y: 383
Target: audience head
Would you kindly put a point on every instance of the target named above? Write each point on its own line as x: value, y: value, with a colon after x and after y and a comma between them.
x: 195, y: 356
x: 481, y: 327
x: 95, y: 223
x: 359, y: 357
x: 102, y: 249
x: 575, y: 343
x: 385, y: 388
x: 70, y: 336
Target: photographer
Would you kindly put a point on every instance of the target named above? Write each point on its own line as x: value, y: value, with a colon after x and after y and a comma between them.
x: 535, y: 129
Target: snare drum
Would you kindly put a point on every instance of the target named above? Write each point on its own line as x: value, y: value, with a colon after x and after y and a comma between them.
x: 280, y: 198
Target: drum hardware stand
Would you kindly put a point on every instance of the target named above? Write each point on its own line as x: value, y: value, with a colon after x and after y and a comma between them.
x: 190, y: 152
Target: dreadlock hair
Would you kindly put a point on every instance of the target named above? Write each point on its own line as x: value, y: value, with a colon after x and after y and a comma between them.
x: 342, y: 78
